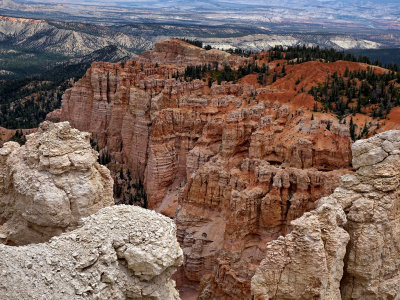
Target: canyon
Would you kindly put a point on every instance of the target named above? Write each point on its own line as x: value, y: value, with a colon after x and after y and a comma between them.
x: 233, y: 163
x: 264, y: 196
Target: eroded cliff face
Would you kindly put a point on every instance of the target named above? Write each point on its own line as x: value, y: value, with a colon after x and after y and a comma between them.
x: 247, y: 194
x: 348, y: 247
x: 48, y: 184
x: 233, y: 163
x: 121, y: 252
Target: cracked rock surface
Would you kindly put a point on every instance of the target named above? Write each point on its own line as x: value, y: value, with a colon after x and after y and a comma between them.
x: 48, y: 184
x: 348, y: 247
x: 121, y: 252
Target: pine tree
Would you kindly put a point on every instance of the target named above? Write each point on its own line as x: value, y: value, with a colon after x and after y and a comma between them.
x: 346, y: 73
x: 352, y: 129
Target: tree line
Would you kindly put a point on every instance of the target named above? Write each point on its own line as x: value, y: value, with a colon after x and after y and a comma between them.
x: 300, y: 54
x: 215, y: 73
x: 360, y: 91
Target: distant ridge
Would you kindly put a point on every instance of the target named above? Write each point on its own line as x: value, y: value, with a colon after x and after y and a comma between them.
x: 68, y: 39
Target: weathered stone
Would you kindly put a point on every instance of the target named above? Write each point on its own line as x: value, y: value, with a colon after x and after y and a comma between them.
x: 372, y: 157
x: 317, y: 243
x: 48, y: 184
x: 308, y: 262
x: 121, y: 252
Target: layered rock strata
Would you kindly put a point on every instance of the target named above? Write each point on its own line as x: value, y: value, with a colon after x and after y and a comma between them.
x: 121, y: 252
x: 49, y: 184
x: 348, y: 247
x: 226, y: 219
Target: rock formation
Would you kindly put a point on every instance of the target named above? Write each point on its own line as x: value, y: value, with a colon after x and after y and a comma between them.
x: 49, y: 184
x: 176, y: 52
x: 234, y: 163
x: 348, y: 247
x: 308, y: 262
x: 121, y: 252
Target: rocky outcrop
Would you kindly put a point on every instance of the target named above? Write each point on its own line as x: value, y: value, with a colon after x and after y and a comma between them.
x: 49, y: 184
x: 371, y: 202
x: 121, y: 252
x: 348, y: 247
x: 308, y: 262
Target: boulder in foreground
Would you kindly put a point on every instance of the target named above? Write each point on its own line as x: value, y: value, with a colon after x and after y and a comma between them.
x: 121, y: 252
x: 48, y: 184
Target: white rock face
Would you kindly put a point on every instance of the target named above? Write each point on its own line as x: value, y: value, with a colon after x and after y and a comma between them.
x: 121, y: 252
x: 308, y: 262
x: 48, y: 184
x: 352, y: 43
x: 348, y: 247
x: 371, y: 199
x: 259, y: 42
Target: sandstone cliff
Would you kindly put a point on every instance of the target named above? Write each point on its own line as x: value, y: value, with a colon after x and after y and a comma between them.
x: 234, y: 163
x: 48, y: 184
x: 348, y: 247
x: 120, y: 252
